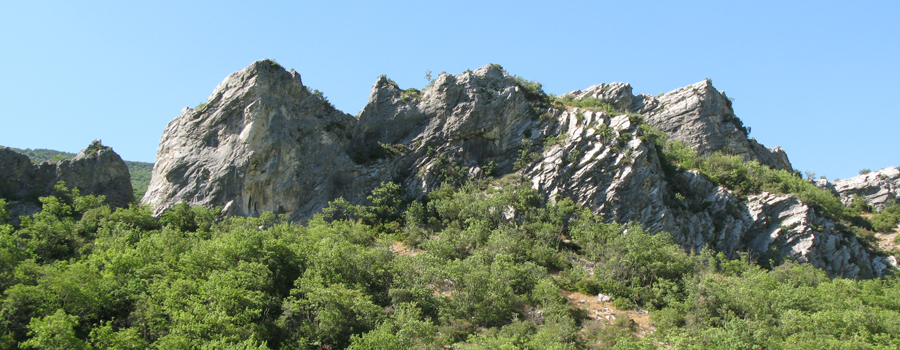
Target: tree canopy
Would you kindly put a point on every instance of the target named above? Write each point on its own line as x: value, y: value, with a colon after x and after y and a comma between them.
x: 481, y: 266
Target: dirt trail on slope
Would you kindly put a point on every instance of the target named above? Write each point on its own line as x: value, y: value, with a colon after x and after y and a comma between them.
x: 606, y: 313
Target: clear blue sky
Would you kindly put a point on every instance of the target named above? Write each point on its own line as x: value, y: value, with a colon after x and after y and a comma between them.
x: 821, y: 79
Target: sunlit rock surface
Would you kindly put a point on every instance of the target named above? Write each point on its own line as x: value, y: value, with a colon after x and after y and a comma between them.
x: 265, y: 142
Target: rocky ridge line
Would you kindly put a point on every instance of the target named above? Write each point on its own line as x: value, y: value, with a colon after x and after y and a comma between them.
x: 96, y: 170
x: 265, y: 142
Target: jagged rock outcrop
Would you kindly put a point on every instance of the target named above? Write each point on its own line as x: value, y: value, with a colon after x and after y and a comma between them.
x: 623, y: 180
x: 96, y: 170
x: 17, y: 179
x: 702, y: 117
x: 263, y: 141
x: 792, y: 228
x: 697, y: 114
x: 877, y: 188
x: 825, y: 185
x: 617, y: 94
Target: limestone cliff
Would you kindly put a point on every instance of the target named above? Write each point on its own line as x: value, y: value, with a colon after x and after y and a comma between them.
x: 97, y: 170
x: 261, y: 142
x: 265, y: 142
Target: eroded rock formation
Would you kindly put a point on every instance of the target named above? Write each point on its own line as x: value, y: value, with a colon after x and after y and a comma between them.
x: 262, y: 141
x: 265, y: 142
x: 877, y: 188
x: 96, y: 170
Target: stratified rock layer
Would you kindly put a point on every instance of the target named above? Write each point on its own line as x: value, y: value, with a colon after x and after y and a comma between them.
x: 702, y: 117
x: 264, y: 142
x: 697, y: 114
x: 877, y: 188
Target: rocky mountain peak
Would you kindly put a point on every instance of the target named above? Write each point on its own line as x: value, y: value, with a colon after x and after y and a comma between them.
x: 702, y: 117
x: 243, y: 148
x: 257, y: 78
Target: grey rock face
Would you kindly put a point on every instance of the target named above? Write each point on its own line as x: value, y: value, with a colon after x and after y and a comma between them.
x: 825, y: 185
x: 263, y: 141
x: 97, y: 170
x: 794, y: 229
x: 17, y: 182
x: 625, y: 182
x: 469, y: 124
x: 16, y: 174
x: 618, y: 94
x: 878, y: 188
x: 702, y: 117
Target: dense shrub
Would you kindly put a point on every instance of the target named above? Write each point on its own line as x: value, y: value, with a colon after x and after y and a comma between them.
x: 887, y: 220
x: 590, y: 103
x: 533, y: 90
x: 742, y: 176
x: 488, y: 265
x: 794, y: 306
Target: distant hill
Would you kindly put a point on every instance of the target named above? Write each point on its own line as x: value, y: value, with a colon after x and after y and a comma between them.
x: 41, y: 155
x: 140, y: 171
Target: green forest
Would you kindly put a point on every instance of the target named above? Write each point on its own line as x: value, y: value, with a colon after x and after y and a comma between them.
x: 140, y: 171
x: 485, y: 265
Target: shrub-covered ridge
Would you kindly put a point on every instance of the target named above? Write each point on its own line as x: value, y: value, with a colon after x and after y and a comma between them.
x: 490, y: 263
